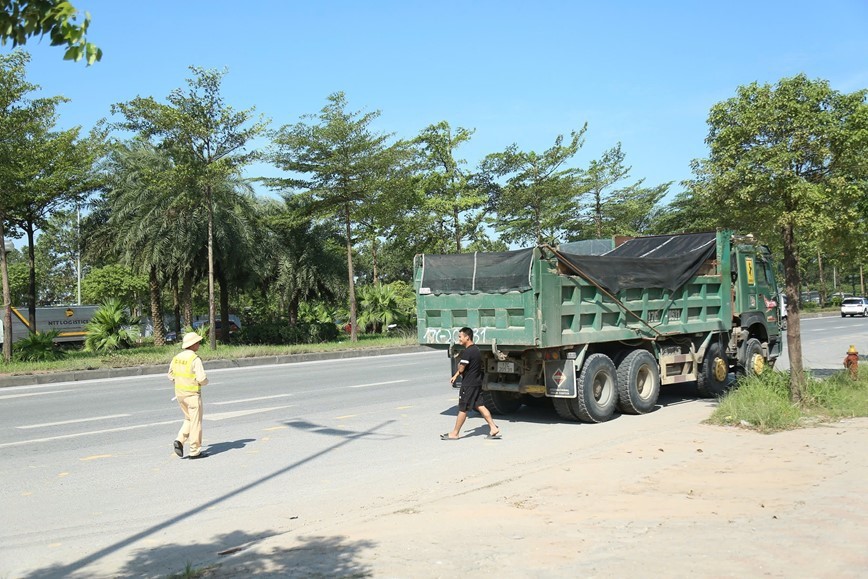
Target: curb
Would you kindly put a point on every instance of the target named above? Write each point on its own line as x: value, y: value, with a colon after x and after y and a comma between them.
x: 106, y: 373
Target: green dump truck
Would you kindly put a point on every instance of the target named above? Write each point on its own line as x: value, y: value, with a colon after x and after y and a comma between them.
x: 598, y: 326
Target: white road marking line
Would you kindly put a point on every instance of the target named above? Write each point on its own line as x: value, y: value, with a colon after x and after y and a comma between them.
x: 377, y: 384
x: 79, y: 434
x: 72, y: 421
x: 6, y: 396
x: 237, y: 413
x: 248, y: 399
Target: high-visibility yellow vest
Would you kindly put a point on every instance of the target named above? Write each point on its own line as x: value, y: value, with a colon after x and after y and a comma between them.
x: 182, y: 369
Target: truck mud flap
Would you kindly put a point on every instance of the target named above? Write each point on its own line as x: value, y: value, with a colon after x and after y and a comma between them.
x: 560, y: 378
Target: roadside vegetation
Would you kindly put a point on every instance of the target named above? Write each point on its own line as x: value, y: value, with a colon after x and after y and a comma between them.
x: 763, y: 403
x: 150, y: 355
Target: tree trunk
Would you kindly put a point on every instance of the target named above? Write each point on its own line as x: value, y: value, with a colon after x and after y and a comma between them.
x: 176, y: 304
x: 156, y: 310
x: 374, y: 258
x: 212, y: 306
x: 224, y: 305
x: 794, y: 326
x: 31, y: 285
x: 7, y: 296
x: 187, y: 299
x: 861, y: 281
x: 456, y: 220
x: 598, y: 213
x: 353, y: 334
x: 293, y: 311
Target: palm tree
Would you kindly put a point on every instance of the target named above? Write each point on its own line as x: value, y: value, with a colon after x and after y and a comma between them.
x: 308, y: 263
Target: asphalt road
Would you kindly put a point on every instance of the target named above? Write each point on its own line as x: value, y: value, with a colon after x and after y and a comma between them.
x: 825, y: 341
x: 91, y: 487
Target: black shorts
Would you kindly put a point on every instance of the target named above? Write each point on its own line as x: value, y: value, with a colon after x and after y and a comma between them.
x: 470, y: 398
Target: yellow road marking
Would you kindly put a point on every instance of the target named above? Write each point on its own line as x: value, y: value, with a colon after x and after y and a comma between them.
x: 403, y: 407
x: 347, y: 416
x: 54, y: 545
x: 276, y: 428
x: 96, y: 456
x: 26, y: 493
x: 63, y: 474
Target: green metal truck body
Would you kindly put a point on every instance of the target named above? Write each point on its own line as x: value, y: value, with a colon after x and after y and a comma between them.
x: 539, y: 337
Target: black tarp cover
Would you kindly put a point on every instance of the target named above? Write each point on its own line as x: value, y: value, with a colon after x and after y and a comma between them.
x: 494, y: 272
x: 663, y: 261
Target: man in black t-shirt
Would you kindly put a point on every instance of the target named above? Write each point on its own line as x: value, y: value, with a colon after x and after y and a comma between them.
x: 470, y: 395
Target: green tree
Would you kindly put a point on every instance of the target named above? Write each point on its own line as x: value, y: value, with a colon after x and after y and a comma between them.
x: 613, y: 210
x: 307, y: 259
x: 451, y: 199
x: 117, y: 282
x: 207, y: 140
x: 340, y: 165
x: 24, y: 124
x: 790, y: 162
x: 21, y: 20
x: 539, y: 190
x: 57, y: 172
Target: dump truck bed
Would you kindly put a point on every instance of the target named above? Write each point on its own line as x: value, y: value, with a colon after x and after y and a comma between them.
x: 544, y: 297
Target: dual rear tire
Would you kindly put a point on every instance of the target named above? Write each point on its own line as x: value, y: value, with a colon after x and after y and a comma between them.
x: 633, y: 388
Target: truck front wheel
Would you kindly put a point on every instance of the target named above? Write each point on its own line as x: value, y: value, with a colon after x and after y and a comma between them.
x: 499, y: 402
x: 713, y: 378
x: 754, y: 361
x: 597, y: 386
x: 638, y: 383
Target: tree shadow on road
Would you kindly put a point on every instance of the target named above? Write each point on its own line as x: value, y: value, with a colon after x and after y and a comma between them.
x: 232, y: 555
x: 77, y: 568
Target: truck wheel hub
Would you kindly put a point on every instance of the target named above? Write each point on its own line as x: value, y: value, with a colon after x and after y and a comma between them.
x: 758, y: 364
x: 720, y: 369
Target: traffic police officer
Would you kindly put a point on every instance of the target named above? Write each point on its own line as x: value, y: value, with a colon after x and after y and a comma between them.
x: 188, y: 374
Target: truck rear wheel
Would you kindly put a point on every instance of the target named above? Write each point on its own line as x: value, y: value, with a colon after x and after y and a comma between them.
x: 499, y: 402
x: 564, y: 408
x: 713, y: 378
x: 597, y: 386
x: 638, y: 383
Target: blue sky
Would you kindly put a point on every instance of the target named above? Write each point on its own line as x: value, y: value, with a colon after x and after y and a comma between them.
x: 642, y: 73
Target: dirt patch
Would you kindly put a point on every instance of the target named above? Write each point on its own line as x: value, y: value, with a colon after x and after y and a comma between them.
x: 697, y: 500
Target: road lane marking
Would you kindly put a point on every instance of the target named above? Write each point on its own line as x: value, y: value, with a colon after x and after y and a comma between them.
x: 376, y: 384
x: 90, y: 433
x: 95, y: 457
x: 248, y: 399
x: 283, y: 427
x: 7, y: 396
x: 403, y: 407
x: 72, y: 421
x: 347, y: 416
x: 237, y: 413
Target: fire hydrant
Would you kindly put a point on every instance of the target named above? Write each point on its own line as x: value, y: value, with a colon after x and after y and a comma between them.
x: 851, y: 362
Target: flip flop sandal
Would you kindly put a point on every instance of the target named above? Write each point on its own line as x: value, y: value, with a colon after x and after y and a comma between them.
x: 446, y: 437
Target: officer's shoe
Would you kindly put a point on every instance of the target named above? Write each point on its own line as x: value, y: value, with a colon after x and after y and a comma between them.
x: 179, y: 448
x: 200, y: 455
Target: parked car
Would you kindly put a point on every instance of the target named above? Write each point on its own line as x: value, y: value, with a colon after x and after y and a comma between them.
x: 854, y: 307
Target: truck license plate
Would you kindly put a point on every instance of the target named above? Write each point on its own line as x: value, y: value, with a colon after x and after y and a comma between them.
x: 506, y: 367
